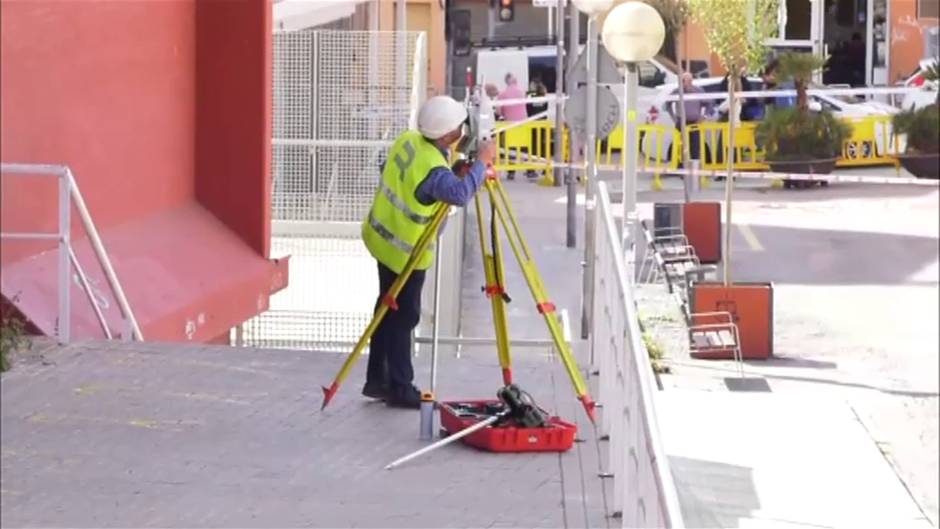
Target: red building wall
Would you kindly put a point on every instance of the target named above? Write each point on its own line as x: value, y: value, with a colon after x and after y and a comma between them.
x: 233, y: 127
x: 108, y: 88
x: 162, y: 111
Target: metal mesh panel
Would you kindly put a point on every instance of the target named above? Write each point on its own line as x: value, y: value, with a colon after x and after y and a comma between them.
x: 333, y: 284
x: 340, y: 98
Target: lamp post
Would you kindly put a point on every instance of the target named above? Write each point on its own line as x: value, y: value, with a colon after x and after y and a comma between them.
x: 591, y: 8
x: 633, y: 32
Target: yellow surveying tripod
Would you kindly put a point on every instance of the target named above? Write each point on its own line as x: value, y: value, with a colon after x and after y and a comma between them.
x: 501, y: 215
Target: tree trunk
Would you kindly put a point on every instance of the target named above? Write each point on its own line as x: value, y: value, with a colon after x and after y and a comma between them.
x: 734, y: 79
x: 682, y: 118
x: 802, y: 100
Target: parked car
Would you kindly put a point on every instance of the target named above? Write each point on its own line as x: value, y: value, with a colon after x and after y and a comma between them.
x: 654, y: 107
x: 927, y: 94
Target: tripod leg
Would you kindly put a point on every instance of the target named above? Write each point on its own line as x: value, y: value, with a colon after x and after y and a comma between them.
x: 492, y: 270
x: 503, y: 211
x: 388, y: 301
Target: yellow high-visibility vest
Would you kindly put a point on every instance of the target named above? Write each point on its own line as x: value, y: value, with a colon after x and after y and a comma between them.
x: 397, y: 219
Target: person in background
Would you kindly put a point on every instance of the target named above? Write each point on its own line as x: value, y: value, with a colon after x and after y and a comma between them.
x: 752, y: 108
x: 771, y: 83
x: 515, y: 112
x: 695, y: 112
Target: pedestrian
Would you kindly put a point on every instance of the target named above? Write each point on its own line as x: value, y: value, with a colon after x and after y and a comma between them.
x: 771, y: 82
x: 752, y: 108
x: 695, y: 112
x: 415, y: 178
x: 514, y: 112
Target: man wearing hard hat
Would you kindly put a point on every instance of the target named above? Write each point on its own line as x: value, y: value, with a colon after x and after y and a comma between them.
x: 415, y: 177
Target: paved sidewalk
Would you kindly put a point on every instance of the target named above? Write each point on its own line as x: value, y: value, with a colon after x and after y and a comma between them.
x: 773, y: 461
x: 168, y: 435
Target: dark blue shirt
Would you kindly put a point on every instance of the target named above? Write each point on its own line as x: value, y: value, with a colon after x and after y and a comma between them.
x: 442, y: 185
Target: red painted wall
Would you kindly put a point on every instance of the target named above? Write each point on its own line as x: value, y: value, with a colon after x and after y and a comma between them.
x: 906, y: 45
x: 233, y: 124
x: 106, y: 87
x: 162, y: 110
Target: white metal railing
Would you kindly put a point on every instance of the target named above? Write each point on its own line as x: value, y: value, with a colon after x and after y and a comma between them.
x: 68, y: 193
x: 644, y: 491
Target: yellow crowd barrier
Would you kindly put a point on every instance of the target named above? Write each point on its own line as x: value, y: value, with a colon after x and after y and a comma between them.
x: 871, y: 143
x: 528, y: 147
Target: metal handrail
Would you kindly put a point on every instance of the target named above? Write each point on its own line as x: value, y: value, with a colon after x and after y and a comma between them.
x: 68, y: 193
x: 624, y: 361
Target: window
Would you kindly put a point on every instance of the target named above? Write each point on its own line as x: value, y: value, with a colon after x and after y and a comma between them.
x: 649, y: 75
x: 928, y: 8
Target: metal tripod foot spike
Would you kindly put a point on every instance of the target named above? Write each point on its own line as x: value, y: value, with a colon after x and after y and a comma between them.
x: 328, y: 393
x: 589, y: 406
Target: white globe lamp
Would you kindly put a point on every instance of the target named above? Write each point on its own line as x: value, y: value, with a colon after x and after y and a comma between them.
x: 593, y: 7
x: 633, y: 32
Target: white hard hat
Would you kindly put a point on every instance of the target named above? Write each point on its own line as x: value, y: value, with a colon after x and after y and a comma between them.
x: 440, y: 115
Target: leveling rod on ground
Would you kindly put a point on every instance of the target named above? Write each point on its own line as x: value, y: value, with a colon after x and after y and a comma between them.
x: 447, y: 440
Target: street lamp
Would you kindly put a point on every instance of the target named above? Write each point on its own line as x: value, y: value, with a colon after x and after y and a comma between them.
x: 633, y: 32
x: 591, y: 8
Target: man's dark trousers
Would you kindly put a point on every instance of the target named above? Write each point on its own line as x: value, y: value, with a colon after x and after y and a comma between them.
x: 390, y: 348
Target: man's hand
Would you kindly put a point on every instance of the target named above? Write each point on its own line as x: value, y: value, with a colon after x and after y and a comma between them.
x: 487, y: 152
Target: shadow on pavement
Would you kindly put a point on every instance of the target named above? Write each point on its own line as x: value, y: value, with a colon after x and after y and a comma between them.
x: 713, y: 494
x: 792, y: 361
x: 834, y: 257
x: 747, y: 384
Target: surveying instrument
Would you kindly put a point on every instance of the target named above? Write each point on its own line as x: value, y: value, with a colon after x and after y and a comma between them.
x: 501, y: 216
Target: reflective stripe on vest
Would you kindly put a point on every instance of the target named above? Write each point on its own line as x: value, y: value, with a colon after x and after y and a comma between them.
x: 398, y: 203
x: 389, y: 236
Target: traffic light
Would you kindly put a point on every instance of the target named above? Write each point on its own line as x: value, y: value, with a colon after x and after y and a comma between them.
x: 507, y: 9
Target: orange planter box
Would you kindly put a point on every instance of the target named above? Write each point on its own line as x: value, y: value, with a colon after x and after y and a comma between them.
x: 752, y: 307
x: 701, y: 223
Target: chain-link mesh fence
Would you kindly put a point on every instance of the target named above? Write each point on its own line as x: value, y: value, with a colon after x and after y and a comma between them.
x: 340, y: 98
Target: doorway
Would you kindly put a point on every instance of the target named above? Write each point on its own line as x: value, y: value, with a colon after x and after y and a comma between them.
x: 845, y: 40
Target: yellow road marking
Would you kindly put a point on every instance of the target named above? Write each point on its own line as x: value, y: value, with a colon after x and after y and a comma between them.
x: 750, y: 237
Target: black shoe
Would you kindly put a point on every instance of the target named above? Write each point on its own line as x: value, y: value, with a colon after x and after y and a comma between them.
x: 375, y: 391
x: 404, y: 397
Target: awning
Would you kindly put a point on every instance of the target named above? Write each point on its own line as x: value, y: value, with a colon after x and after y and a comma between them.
x: 292, y: 15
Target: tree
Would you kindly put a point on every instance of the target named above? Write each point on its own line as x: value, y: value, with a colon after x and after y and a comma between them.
x: 800, y: 67
x: 736, y: 31
x: 675, y: 14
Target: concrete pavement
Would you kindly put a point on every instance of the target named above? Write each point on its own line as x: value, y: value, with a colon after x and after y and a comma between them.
x: 170, y: 435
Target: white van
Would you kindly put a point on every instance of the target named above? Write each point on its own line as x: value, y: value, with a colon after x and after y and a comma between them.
x: 538, y: 63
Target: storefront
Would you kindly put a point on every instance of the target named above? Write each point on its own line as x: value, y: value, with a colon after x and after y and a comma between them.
x: 872, y: 42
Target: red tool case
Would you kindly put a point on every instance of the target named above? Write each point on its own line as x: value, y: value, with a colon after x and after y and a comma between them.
x: 557, y: 437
